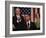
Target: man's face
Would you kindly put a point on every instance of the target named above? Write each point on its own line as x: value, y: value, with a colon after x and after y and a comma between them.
x: 17, y: 11
x: 27, y: 17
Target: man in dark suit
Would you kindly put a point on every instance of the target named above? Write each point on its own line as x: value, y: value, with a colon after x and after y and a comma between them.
x: 29, y: 25
x: 18, y: 20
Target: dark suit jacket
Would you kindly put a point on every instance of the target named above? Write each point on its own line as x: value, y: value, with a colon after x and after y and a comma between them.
x: 20, y: 25
x: 32, y: 26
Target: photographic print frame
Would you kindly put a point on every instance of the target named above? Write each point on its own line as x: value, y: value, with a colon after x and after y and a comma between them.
x: 8, y: 7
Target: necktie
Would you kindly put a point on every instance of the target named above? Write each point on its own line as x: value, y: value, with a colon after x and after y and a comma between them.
x: 28, y: 25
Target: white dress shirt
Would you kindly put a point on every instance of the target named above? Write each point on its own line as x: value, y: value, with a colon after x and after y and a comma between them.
x: 18, y: 19
x: 28, y: 24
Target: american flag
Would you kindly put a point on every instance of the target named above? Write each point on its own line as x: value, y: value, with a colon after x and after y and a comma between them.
x: 34, y: 12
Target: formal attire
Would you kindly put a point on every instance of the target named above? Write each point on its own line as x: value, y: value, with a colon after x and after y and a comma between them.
x: 30, y: 25
x: 18, y: 22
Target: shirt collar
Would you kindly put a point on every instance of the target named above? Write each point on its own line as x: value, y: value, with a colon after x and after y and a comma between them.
x: 28, y: 22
